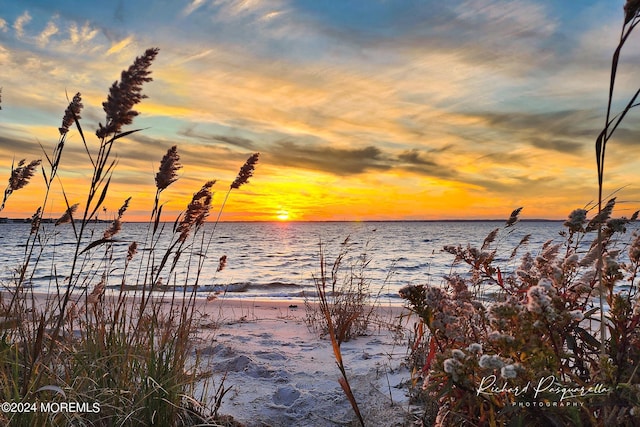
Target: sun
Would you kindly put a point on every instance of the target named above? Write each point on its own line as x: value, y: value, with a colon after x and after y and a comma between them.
x: 282, y: 215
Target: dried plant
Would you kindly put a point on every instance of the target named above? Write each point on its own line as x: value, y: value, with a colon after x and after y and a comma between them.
x: 611, y: 123
x: 35, y: 221
x: 71, y: 114
x: 124, y: 95
x: 67, y: 216
x: 246, y: 171
x: 197, y: 210
x: 116, y: 225
x: 169, y: 167
x: 132, y: 250
x: 20, y: 177
x: 97, y: 292
x: 631, y: 9
x: 222, y: 263
x: 338, y: 329
x: 130, y: 351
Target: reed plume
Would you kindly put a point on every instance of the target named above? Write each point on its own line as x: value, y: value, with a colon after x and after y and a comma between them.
x: 71, y: 114
x: 125, y: 94
x: 222, y: 263
x: 20, y: 177
x: 513, y: 218
x: 631, y: 9
x: 246, y: 171
x: 197, y: 210
x: 96, y: 293
x: 169, y: 166
x: 116, y: 225
x: 68, y: 215
x: 133, y: 249
x: 35, y: 221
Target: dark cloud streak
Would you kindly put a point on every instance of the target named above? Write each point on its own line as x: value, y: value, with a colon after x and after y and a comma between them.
x: 338, y: 161
x: 235, y: 141
x: 568, y: 131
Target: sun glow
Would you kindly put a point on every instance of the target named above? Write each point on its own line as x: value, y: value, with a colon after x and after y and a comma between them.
x: 282, y: 215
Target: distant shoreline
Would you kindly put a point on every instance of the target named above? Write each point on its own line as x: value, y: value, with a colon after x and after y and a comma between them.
x: 50, y: 220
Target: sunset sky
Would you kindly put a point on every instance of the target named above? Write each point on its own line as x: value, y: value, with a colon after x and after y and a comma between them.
x: 361, y: 110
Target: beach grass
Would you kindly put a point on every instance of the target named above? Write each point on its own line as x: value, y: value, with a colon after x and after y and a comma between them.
x: 120, y: 358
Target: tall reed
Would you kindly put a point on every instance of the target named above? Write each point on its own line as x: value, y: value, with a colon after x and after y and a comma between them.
x: 611, y: 123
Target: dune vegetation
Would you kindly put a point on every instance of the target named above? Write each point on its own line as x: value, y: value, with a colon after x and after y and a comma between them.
x: 550, y: 338
x: 112, y: 335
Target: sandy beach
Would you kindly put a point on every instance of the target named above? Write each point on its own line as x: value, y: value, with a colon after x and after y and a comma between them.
x: 283, y: 374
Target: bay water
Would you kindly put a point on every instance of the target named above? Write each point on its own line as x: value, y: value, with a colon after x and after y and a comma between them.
x: 281, y: 260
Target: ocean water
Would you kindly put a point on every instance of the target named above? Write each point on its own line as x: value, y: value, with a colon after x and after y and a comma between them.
x: 280, y: 259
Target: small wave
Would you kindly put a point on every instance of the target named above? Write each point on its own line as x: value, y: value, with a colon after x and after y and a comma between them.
x: 246, y: 286
x: 232, y: 287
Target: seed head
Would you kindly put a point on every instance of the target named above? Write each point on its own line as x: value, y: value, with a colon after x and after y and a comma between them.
x: 96, y: 294
x: 71, y: 114
x: 68, y: 215
x: 197, y: 210
x: 631, y: 9
x: 125, y: 94
x: 19, y: 178
x: 223, y: 263
x: 133, y: 249
x: 576, y: 220
x: 35, y: 220
x: 21, y: 175
x: 169, y: 166
x: 246, y: 171
x: 116, y: 225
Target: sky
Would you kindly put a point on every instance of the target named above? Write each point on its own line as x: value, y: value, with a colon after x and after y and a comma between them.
x: 360, y: 109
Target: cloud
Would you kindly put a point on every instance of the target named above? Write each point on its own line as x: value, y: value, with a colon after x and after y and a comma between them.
x: 16, y: 146
x: 50, y: 30
x: 210, y: 138
x: 82, y: 34
x: 20, y: 22
x: 566, y: 131
x: 339, y: 161
x: 424, y: 163
x: 192, y: 7
x: 415, y: 157
x: 354, y: 161
x: 563, y: 146
x: 121, y: 45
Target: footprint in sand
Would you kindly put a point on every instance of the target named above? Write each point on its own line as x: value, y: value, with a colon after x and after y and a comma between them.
x: 286, y: 396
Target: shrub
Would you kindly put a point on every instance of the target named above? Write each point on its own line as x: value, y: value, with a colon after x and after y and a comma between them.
x: 531, y: 354
x: 345, y: 288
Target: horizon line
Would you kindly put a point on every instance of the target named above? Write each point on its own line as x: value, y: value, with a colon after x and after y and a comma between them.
x: 28, y: 220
